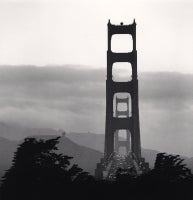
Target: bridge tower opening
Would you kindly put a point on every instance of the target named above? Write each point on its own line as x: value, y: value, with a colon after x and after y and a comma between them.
x: 121, y: 140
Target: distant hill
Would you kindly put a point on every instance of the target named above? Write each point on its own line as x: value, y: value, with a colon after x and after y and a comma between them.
x: 91, y: 140
x: 7, y: 148
x: 96, y: 141
x: 86, y: 148
x: 189, y: 163
x: 85, y: 157
x: 13, y: 131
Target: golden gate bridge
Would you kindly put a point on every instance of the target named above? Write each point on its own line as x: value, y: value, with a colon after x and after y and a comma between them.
x: 121, y: 120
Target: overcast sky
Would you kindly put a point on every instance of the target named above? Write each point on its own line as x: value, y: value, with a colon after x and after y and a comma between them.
x: 45, y: 32
x: 60, y: 32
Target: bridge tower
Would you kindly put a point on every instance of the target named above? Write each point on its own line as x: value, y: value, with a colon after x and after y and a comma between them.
x: 117, y: 120
x: 114, y: 123
x: 126, y: 142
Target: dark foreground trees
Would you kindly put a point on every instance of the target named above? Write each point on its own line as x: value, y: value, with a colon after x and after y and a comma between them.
x: 39, y: 172
x: 170, y: 168
x: 169, y: 179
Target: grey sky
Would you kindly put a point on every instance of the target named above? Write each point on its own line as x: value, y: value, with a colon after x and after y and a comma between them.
x: 74, y: 32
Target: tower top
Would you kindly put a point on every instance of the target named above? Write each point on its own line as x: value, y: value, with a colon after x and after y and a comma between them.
x: 121, y: 29
x: 121, y: 23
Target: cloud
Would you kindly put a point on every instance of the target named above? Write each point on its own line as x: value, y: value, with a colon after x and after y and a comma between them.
x: 73, y: 98
x: 167, y: 90
x: 60, y: 97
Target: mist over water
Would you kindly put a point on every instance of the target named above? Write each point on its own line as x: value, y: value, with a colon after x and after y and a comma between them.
x: 72, y: 98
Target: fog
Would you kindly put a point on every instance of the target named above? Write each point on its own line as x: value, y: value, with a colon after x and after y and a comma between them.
x: 72, y: 98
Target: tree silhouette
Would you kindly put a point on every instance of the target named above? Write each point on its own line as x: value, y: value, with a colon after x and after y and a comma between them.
x: 40, y: 172
x: 37, y: 166
x: 170, y: 168
x: 126, y: 175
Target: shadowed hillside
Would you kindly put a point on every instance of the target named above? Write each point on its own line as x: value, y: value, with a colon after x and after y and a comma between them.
x: 6, y: 154
x: 85, y: 157
x: 86, y: 148
x: 190, y: 163
x: 96, y: 141
x: 17, y: 132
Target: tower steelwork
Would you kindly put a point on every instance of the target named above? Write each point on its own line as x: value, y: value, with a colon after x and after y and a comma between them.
x: 119, y: 120
x: 126, y: 142
x: 114, y: 123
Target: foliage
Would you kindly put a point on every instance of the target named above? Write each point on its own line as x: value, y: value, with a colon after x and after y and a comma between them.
x: 125, y: 175
x: 38, y: 171
x: 170, y: 168
x: 36, y: 163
